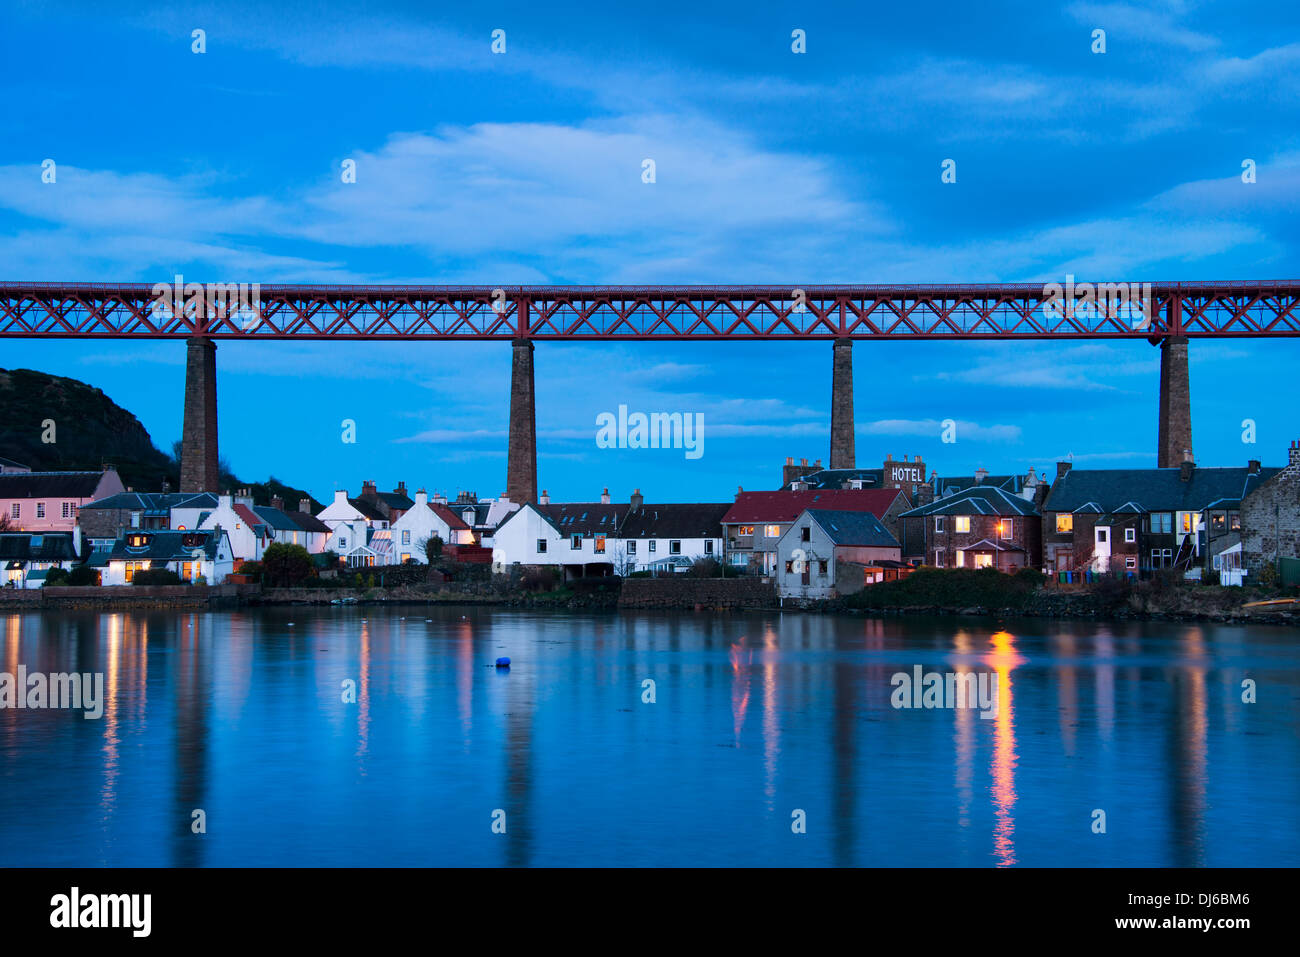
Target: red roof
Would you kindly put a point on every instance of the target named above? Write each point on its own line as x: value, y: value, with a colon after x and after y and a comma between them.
x: 247, y: 514
x: 453, y: 520
x: 785, y: 506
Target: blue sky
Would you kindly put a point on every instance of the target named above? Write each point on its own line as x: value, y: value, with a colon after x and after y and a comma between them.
x: 772, y: 167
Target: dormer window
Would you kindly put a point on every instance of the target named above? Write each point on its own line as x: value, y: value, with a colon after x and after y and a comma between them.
x: 138, y: 540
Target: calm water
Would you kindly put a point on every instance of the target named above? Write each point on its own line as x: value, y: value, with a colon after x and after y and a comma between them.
x: 240, y: 714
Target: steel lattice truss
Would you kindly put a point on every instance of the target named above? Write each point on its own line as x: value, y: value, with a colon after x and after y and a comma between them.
x: 1194, y: 309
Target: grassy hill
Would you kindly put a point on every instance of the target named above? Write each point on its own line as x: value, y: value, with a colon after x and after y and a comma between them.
x: 90, y: 429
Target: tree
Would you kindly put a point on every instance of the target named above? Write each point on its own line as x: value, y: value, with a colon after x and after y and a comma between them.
x: 4, y: 521
x: 432, y: 548
x: 286, y: 565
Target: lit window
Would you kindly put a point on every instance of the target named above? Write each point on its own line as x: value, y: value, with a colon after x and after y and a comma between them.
x: 961, y: 523
x: 772, y: 531
x: 406, y: 557
x: 406, y: 536
x: 600, y: 544
x: 746, y: 530
x: 789, y: 568
x: 1064, y: 522
x: 1007, y: 528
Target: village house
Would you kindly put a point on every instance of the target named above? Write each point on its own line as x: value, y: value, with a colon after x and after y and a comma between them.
x: 668, y: 537
x: 293, y: 528
x: 1141, y: 520
x: 392, y: 505
x: 51, y: 501
x: 1270, y: 517
x: 349, y: 510
x: 907, y: 474
x: 423, y: 521
x: 190, y: 554
x: 977, y: 527
x: 26, y: 557
x: 576, y: 536
x: 756, y: 521
x: 826, y: 553
x: 248, y: 532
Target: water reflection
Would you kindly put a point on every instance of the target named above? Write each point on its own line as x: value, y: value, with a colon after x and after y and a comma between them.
x: 240, y: 715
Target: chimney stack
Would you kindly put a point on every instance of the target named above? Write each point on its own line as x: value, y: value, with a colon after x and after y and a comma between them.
x: 545, y: 498
x: 1253, y: 466
x: 401, y: 488
x: 304, y: 505
x: 1293, y: 459
x: 981, y: 474
x: 604, y: 496
x: 1187, y: 468
x: 277, y: 502
x: 369, y: 490
x: 637, y: 500
x: 1061, y: 469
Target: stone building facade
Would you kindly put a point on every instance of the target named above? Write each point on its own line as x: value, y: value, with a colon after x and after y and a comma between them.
x: 1270, y: 517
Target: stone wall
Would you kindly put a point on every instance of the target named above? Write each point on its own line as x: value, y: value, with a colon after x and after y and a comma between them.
x: 1270, y: 518
x: 680, y: 591
x: 125, y: 596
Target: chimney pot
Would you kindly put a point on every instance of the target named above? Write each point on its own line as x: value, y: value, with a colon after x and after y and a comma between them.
x: 304, y: 505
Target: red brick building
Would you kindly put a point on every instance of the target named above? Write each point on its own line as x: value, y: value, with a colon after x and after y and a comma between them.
x: 977, y: 527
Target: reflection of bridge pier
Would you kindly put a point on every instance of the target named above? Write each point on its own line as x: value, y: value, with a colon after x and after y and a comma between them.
x: 191, y: 731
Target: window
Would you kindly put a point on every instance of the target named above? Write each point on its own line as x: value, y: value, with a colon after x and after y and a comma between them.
x: 187, y: 571
x: 821, y: 568
x: 69, y: 509
x: 133, y: 567
x: 1102, y: 536
x: 406, y: 557
x: 1160, y: 557
x: 343, y: 544
x: 541, y: 545
x: 575, y: 543
x: 15, y: 510
x: 1234, y: 521
x: 789, y: 568
x: 1162, y: 523
x: 631, y: 547
x: 1130, y: 561
x: 1191, y: 520
x: 652, y: 544
x: 961, y: 523
x: 806, y: 534
x: 135, y: 519
x: 772, y: 531
x: 40, y: 509
x: 708, y: 546
x: 746, y: 530
x: 1218, y: 520
x: 983, y: 560
x: 1130, y: 534
x: 1064, y: 523
x: 406, y: 536
x: 938, y: 523
x: 938, y: 558
x: 1006, y: 528
x: 600, y: 544
x: 675, y: 547
x: 961, y: 559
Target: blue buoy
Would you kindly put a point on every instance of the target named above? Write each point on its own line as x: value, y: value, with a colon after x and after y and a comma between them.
x: 503, y: 662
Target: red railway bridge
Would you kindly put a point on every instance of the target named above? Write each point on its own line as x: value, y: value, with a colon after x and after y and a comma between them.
x: 1165, y: 314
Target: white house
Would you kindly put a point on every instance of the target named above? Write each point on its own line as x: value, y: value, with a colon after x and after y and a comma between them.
x: 26, y: 557
x: 578, y: 537
x: 826, y: 553
x: 668, y: 537
x: 421, y: 522
x: 344, y: 509
x: 249, y: 533
x: 191, y: 554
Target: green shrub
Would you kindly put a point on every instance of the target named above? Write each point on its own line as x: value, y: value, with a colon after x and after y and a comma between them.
x: 286, y: 565
x: 56, y: 576
x: 83, y: 575
x: 156, y: 576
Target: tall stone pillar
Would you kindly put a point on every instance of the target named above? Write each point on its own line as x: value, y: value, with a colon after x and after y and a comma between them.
x: 199, y: 432
x: 521, y: 456
x: 842, y: 440
x: 1175, y: 403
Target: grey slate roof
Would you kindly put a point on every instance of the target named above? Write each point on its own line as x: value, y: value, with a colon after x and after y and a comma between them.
x: 853, y: 528
x: 276, y: 518
x: 49, y: 484
x: 1153, y: 490
x: 37, y: 547
x: 1008, y: 483
x: 587, y: 518
x: 157, y: 502
x: 675, y: 520
x: 10, y: 463
x: 977, y: 500
x: 835, y: 478
x: 396, y: 500
x: 166, y: 545
x: 306, y: 521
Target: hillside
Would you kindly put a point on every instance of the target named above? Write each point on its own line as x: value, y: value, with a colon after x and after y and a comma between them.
x: 90, y: 430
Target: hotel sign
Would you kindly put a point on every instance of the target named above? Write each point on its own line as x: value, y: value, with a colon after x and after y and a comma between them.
x: 900, y: 474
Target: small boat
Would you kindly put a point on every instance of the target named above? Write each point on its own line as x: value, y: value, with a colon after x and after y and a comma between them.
x: 343, y: 601
x: 1274, y: 604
